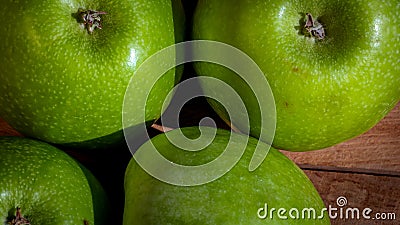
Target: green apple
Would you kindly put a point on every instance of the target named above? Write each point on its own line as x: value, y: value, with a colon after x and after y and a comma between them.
x: 65, y: 65
x: 43, y: 185
x: 333, y: 66
x: 238, y: 197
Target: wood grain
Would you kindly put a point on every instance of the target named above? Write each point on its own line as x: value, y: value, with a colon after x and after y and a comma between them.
x: 379, y: 193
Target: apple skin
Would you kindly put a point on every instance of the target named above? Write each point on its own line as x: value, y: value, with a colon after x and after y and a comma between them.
x: 326, y: 91
x: 232, y: 199
x: 61, y: 84
x: 48, y: 185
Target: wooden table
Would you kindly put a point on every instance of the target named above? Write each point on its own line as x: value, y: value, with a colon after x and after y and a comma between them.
x: 364, y: 170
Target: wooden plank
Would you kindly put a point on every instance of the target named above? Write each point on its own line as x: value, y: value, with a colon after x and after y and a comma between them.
x: 379, y: 193
x: 375, y: 152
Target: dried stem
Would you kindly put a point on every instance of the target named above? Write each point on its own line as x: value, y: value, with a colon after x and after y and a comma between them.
x: 19, y: 219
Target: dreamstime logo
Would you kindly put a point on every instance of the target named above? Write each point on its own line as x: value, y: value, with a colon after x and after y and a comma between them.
x: 339, y: 212
x: 153, y: 69
x: 341, y: 201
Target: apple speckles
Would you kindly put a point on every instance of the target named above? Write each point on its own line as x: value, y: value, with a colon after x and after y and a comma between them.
x: 62, y: 79
x: 356, y: 61
x: 42, y: 179
x: 156, y: 202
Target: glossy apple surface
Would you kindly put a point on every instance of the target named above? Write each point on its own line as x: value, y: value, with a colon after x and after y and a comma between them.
x: 235, y: 198
x: 327, y: 88
x: 64, y: 83
x: 47, y: 186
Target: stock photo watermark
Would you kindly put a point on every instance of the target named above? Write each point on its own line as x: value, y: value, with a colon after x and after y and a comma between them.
x: 341, y: 211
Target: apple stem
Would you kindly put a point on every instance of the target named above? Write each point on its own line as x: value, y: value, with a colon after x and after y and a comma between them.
x: 161, y: 128
x: 19, y: 219
x: 314, y: 28
x: 90, y: 19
